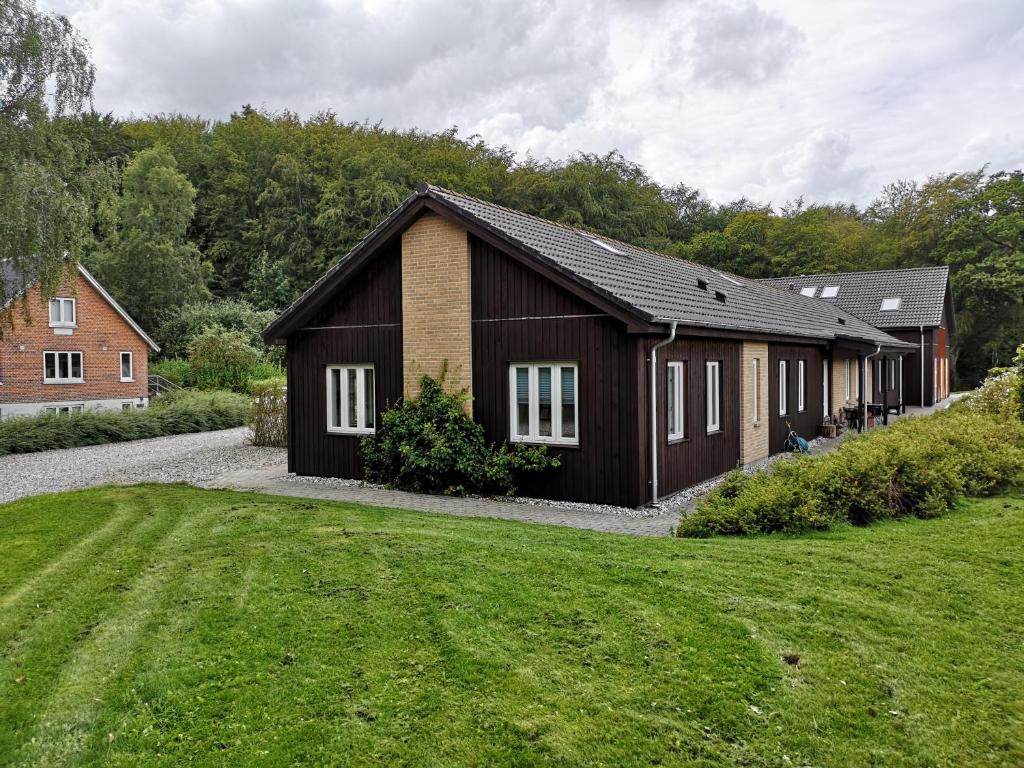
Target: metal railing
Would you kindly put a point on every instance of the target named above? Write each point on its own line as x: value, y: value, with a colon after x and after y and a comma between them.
x: 158, y: 385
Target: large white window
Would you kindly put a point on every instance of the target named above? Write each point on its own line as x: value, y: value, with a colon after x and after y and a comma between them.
x: 783, y: 387
x: 62, y: 313
x: 351, y: 405
x: 62, y: 368
x: 714, y: 395
x: 755, y: 390
x: 847, y: 391
x: 65, y: 410
x: 801, y: 386
x: 127, y: 368
x: 676, y: 410
x: 544, y: 403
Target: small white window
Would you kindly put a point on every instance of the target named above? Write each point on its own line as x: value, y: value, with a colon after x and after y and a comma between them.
x: 714, y: 396
x: 801, y: 386
x: 62, y: 313
x: 127, y: 370
x: 892, y: 375
x: 856, y: 379
x: 544, y: 407
x: 126, y: 406
x: 890, y: 304
x: 830, y: 291
x: 755, y: 389
x: 783, y: 387
x: 64, y: 410
x: 847, y: 390
x: 351, y: 403
x: 62, y: 368
x: 810, y: 290
x: 676, y: 409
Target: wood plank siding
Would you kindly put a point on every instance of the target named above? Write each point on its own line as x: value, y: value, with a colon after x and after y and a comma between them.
x: 363, y: 324
x: 699, y: 455
x: 518, y: 317
x: 804, y: 422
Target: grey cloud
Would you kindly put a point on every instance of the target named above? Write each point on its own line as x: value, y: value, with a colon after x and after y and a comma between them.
x: 741, y: 44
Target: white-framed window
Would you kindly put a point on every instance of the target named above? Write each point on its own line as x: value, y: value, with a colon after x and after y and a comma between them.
x: 64, y: 410
x: 801, y: 386
x: 63, y: 313
x: 351, y: 402
x: 62, y: 368
x: 856, y: 379
x: 713, y: 396
x: 676, y: 391
x: 879, y: 378
x: 755, y: 390
x: 127, y: 367
x: 892, y: 375
x: 809, y: 291
x: 544, y: 403
x: 783, y: 387
x: 847, y: 391
x: 830, y: 291
x: 890, y: 304
x: 127, y: 406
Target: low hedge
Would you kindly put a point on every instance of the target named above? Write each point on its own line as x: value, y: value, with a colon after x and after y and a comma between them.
x: 917, y: 467
x: 174, y: 414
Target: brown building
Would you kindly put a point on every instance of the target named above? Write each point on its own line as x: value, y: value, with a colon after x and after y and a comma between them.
x: 645, y: 373
x: 915, y: 305
x: 74, y: 351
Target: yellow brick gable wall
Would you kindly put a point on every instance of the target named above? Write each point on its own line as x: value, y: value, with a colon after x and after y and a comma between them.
x: 753, y: 435
x: 436, y: 305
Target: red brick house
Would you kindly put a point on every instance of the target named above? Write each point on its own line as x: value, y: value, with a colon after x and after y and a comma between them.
x: 75, y: 351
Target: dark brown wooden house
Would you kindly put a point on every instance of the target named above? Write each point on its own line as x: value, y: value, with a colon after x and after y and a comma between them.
x: 644, y: 372
x: 915, y: 305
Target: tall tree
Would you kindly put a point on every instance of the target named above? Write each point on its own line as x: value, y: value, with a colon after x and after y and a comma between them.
x: 147, y: 262
x: 48, y: 187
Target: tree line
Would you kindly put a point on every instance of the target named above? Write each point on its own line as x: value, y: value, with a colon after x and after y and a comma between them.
x: 175, y: 210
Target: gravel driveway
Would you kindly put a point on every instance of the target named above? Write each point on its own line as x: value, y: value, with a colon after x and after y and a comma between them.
x: 197, y: 458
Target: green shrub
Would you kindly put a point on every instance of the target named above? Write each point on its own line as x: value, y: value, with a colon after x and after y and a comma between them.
x: 179, y: 327
x: 175, y: 370
x: 917, y: 467
x: 429, y: 444
x: 269, y: 417
x: 222, y: 359
x: 169, y: 415
x: 999, y: 395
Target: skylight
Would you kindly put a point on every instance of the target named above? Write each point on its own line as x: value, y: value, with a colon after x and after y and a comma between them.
x: 830, y: 291
x: 890, y: 304
x: 810, y: 290
x: 607, y: 246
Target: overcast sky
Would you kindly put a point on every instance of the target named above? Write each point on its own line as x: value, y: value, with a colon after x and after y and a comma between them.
x: 765, y: 98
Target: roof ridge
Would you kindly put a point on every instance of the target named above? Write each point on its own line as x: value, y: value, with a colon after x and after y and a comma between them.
x: 857, y: 272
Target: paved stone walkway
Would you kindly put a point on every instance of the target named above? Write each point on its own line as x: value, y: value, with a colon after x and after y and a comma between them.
x: 276, y: 481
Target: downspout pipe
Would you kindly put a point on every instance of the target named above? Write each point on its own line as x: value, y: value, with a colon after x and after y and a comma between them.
x: 654, y: 409
x: 922, y: 366
x: 864, y: 400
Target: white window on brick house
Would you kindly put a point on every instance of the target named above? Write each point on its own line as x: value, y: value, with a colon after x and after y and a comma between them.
x: 543, y: 403
x: 783, y: 387
x: 676, y: 410
x: 127, y: 368
x: 713, y: 395
x: 63, y: 313
x: 62, y: 368
x: 64, y: 410
x: 351, y: 401
x: 127, y: 406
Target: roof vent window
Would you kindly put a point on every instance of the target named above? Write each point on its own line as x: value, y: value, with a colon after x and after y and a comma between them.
x: 809, y: 291
x: 842, y: 320
x: 601, y: 243
x: 830, y: 291
x: 890, y: 304
x: 719, y: 296
x: 702, y: 284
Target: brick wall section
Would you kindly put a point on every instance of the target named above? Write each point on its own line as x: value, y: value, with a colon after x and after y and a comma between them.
x: 101, y: 336
x: 838, y: 399
x: 436, y: 305
x: 753, y: 435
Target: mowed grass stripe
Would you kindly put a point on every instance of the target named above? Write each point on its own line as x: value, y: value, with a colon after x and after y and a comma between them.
x: 65, y: 725
x: 284, y: 631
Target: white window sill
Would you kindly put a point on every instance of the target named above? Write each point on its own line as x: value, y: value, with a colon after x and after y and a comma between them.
x: 127, y: 381
x: 63, y: 381
x: 350, y: 431
x: 541, y: 440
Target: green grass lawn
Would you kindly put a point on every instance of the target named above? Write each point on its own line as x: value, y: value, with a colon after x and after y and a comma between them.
x: 168, y: 625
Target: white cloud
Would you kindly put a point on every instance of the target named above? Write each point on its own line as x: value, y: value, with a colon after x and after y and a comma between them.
x: 772, y: 98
